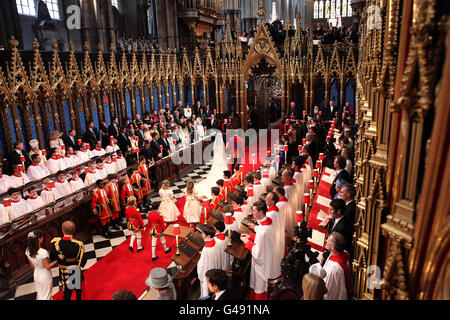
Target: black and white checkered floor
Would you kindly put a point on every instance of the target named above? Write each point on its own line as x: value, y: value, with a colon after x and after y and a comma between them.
x: 97, y: 246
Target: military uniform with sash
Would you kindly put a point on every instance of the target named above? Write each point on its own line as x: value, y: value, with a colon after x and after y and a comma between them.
x: 69, y: 253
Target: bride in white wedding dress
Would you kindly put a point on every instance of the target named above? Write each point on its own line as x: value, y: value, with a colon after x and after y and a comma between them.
x: 219, y: 165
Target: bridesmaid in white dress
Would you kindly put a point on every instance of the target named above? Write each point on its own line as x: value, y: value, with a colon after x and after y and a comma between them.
x: 167, y: 208
x: 192, y: 206
x: 38, y: 258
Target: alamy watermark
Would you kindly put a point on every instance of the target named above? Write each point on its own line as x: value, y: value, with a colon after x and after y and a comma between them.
x: 73, y: 21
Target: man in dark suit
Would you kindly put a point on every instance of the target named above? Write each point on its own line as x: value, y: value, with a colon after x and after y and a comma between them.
x: 14, y: 157
x: 123, y: 141
x: 165, y: 144
x: 91, y: 135
x: 103, y: 134
x: 212, y: 123
x: 140, y: 134
x: 347, y: 193
x: 147, y: 152
x: 71, y: 140
x: 337, y: 222
x: 113, y: 129
x: 330, y: 111
x: 217, y: 284
x: 154, y: 146
x: 341, y: 173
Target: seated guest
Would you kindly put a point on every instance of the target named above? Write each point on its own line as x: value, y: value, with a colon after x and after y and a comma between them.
x: 162, y: 282
x: 34, y: 200
x: 339, y: 165
x: 49, y: 194
x: 98, y: 151
x: 55, y: 140
x: 84, y: 154
x: 19, y: 206
x: 55, y: 163
x: 5, y: 184
x: 217, y: 284
x: 37, y: 170
x: 71, y: 140
x: 34, y: 145
x: 62, y: 185
x: 18, y: 178
x: 210, y: 258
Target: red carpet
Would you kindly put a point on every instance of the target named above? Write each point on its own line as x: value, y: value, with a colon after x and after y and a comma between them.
x: 122, y: 269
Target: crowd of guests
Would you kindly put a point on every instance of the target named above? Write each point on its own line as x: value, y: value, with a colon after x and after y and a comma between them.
x: 331, y: 34
x: 40, y: 176
x: 141, y: 45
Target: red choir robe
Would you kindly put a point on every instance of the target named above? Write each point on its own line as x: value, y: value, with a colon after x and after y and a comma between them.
x: 100, y: 206
x: 112, y: 191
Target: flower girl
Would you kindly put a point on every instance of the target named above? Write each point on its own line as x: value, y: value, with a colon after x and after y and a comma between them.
x: 192, y: 206
x: 167, y: 208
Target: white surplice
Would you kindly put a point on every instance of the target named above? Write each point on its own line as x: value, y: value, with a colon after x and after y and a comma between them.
x: 278, y: 227
x: 286, y: 213
x: 37, y: 172
x: 210, y: 258
x: 17, y: 181
x: 19, y: 208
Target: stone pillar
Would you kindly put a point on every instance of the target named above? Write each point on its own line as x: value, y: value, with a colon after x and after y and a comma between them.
x: 9, y: 23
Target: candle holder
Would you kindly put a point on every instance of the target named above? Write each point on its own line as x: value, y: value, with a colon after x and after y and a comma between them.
x: 229, y: 244
x: 178, y: 248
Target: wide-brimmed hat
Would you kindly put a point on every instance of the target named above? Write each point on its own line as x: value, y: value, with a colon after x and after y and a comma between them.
x: 158, y: 278
x: 33, y: 143
x: 55, y: 135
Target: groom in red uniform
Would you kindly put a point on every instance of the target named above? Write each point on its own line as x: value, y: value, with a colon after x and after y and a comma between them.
x: 235, y: 146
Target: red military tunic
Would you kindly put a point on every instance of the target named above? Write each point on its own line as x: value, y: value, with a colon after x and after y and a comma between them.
x: 236, y: 179
x: 100, y: 206
x: 112, y: 190
x: 135, y: 180
x: 126, y: 192
x: 135, y: 222
x: 155, y: 221
x: 143, y: 170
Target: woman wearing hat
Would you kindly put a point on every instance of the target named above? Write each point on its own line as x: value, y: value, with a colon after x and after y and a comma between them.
x: 34, y: 145
x: 56, y: 141
x: 162, y: 281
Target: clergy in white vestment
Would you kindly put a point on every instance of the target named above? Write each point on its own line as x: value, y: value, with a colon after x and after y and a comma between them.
x: 273, y: 212
x: 5, y: 182
x: 264, y: 265
x: 210, y: 258
x: 18, y: 178
x: 291, y: 193
x: 91, y: 175
x: 19, y: 206
x: 84, y: 154
x: 34, y: 200
x: 56, y: 162
x: 98, y: 151
x: 62, y: 185
x: 286, y: 212
x: 110, y: 166
x: 49, y: 194
x: 338, y: 268
x: 101, y: 170
x: 222, y: 241
x: 37, y: 170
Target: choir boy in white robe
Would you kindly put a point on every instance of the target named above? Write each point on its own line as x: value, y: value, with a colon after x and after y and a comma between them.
x: 34, y: 200
x: 264, y: 265
x: 112, y: 147
x: 236, y: 203
x: 110, y: 166
x: 5, y: 182
x: 91, y: 175
x: 98, y: 151
x: 62, y: 185
x: 101, y: 170
x: 278, y: 224
x: 258, y: 188
x: 76, y: 184
x: 56, y: 163
x: 285, y: 211
x: 18, y: 178
x: 221, y: 239
x: 265, y: 180
x: 210, y: 258
x: 248, y: 182
x: 49, y: 194
x: 290, y: 192
x: 84, y: 154
x: 299, y: 178
x: 70, y: 159
x: 37, y: 170
x: 338, y: 268
x: 19, y: 206
x: 4, y: 216
x: 121, y: 163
